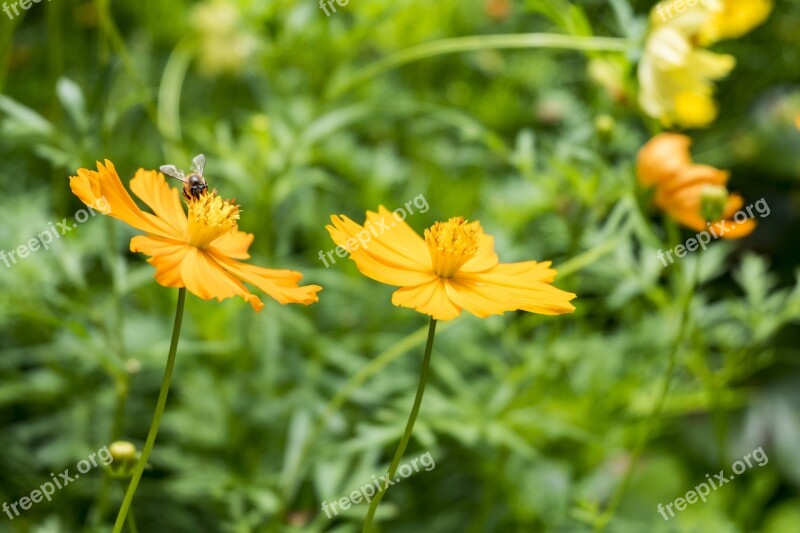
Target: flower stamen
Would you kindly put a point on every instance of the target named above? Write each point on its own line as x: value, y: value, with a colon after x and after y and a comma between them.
x: 452, y: 244
x: 210, y: 217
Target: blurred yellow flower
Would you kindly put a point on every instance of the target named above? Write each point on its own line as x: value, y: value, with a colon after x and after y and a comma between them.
x: 676, y: 73
x: 694, y: 109
x: 199, y: 252
x: 227, y: 45
x: 453, y: 268
x: 734, y: 18
x: 693, y: 195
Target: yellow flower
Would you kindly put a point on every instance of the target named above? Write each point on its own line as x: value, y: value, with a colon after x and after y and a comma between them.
x: 676, y: 73
x: 734, y: 18
x: 689, y: 193
x: 676, y: 78
x: 453, y: 268
x: 227, y: 45
x: 694, y: 109
x: 198, y: 252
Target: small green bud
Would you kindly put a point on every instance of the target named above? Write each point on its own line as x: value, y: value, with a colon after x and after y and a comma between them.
x: 124, y: 457
x: 604, y: 125
x: 712, y: 202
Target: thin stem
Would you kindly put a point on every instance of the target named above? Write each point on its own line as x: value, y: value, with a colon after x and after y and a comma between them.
x: 401, y: 448
x: 478, y: 42
x: 162, y: 402
x: 579, y: 262
x: 652, y: 421
x: 132, y: 524
x: 122, y: 386
x: 292, y: 473
x: 114, y: 36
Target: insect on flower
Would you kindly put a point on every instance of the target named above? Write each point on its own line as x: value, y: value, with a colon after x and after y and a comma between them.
x: 194, y: 185
x: 201, y: 248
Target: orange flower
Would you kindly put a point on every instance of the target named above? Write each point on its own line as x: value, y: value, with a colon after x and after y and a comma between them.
x: 454, y: 267
x: 688, y: 192
x: 198, y: 252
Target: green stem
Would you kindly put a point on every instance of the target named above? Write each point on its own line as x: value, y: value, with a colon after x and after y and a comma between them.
x: 132, y: 524
x: 401, y: 448
x: 652, y: 421
x: 162, y: 401
x: 478, y: 42
x: 114, y: 36
x: 169, y: 96
x: 579, y: 262
x: 122, y: 386
x: 292, y: 471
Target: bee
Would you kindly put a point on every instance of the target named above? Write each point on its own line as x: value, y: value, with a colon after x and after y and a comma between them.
x: 194, y: 185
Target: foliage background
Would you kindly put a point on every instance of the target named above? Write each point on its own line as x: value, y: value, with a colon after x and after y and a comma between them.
x: 530, y: 419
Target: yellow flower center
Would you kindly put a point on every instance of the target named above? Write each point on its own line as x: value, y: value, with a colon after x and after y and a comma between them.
x: 210, y: 217
x: 694, y: 109
x: 452, y: 244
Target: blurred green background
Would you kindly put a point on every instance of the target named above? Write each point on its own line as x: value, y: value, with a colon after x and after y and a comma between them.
x: 531, y: 420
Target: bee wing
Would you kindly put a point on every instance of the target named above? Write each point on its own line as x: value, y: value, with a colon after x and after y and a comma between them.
x: 198, y: 164
x: 173, y: 171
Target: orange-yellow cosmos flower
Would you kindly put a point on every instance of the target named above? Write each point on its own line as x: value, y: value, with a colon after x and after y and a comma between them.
x: 686, y: 191
x: 198, y: 252
x: 453, y: 268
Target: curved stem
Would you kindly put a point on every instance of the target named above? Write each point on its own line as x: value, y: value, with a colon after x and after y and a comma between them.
x: 652, y: 421
x: 162, y: 401
x: 169, y: 94
x: 478, y: 42
x: 412, y: 417
x: 114, y: 36
x: 589, y: 257
x: 292, y: 471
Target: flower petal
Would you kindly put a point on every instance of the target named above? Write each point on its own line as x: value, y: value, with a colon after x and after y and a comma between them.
x: 280, y: 284
x: 662, y: 157
x: 429, y: 298
x: 484, y: 258
x: 102, y: 189
x: 205, y: 278
x: 166, y: 255
x: 393, y: 257
x: 234, y: 244
x: 402, y: 238
x: 508, y: 287
x: 164, y: 200
x: 737, y: 231
x: 694, y: 177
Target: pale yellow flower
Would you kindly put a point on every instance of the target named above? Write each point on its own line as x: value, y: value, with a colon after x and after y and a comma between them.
x: 227, y: 45
x: 676, y: 74
x: 734, y: 19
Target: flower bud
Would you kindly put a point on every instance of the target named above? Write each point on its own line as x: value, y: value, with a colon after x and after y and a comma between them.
x: 713, y: 200
x: 124, y: 457
x: 604, y: 125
